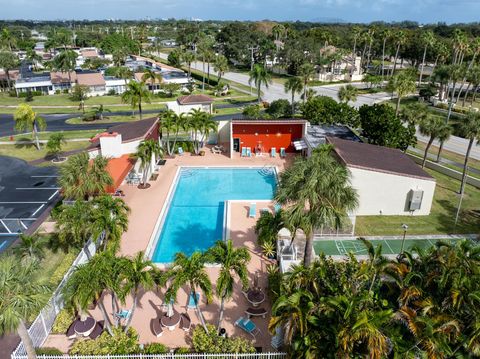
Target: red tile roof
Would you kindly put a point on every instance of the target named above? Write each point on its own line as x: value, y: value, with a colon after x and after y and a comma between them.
x: 118, y: 168
x: 58, y: 77
x: 194, y: 99
x: 90, y: 79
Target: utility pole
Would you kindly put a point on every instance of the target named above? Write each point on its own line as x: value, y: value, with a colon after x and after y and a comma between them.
x: 252, y: 59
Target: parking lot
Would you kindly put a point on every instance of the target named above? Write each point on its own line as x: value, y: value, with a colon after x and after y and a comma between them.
x: 25, y: 193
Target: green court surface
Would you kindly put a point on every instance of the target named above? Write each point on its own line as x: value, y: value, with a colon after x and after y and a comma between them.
x: 340, y: 247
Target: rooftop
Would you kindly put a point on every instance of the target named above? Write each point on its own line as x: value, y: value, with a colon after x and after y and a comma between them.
x: 377, y: 158
x: 317, y: 134
x: 194, y: 99
x: 62, y: 77
x: 90, y: 79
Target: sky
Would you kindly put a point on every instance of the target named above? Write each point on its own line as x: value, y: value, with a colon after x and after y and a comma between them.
x: 422, y: 11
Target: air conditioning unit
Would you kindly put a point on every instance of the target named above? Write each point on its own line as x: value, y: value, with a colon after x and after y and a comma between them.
x: 415, y: 199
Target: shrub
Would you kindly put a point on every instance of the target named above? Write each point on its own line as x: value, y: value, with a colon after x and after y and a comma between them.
x: 155, y: 348
x: 111, y: 92
x: 57, y: 92
x: 29, y: 97
x: 252, y: 111
x: 121, y: 344
x: 211, y: 342
x: 280, y: 108
x: 183, y: 350
x: 48, y: 351
x: 62, y: 268
x: 187, y: 146
x: 63, y: 321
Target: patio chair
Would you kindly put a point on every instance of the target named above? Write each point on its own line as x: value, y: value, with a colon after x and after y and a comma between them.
x: 97, y: 331
x: 248, y: 326
x: 249, y: 152
x: 216, y: 151
x: 256, y: 312
x: 282, y: 152
x: 273, y: 152
x: 180, y: 151
x: 252, y: 212
x: 185, y: 322
x: 123, y: 314
x: 244, y: 152
x: 191, y: 301
x: 157, y: 329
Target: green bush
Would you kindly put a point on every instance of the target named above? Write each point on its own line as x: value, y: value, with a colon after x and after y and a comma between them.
x: 211, y: 342
x: 32, y: 93
x: 199, y: 77
x: 121, y: 344
x: 48, y: 351
x: 63, y: 321
x: 280, y: 108
x: 187, y: 146
x: 62, y: 268
x: 183, y: 350
x: 155, y: 348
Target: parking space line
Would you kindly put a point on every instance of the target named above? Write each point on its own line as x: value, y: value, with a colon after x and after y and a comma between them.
x: 20, y: 219
x: 3, y: 244
x: 44, y: 188
x: 23, y: 202
x: 38, y: 209
x: 53, y: 195
x: 8, y: 230
x: 43, y: 176
x: 23, y: 225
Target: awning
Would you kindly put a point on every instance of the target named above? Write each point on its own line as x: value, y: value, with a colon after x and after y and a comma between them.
x: 300, y: 145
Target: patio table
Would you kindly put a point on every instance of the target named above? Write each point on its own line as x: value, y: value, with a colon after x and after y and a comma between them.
x: 256, y: 297
x: 172, y: 321
x: 84, y: 327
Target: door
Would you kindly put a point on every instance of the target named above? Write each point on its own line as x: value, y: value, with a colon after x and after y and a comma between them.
x: 236, y: 144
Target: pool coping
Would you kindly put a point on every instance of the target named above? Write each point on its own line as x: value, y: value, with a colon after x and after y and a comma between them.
x: 154, y: 237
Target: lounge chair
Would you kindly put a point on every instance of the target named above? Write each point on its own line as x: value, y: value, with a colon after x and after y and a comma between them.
x: 273, y: 152
x: 252, y: 212
x: 123, y: 314
x: 180, y: 151
x: 191, y: 301
x: 282, y: 152
x: 249, y: 152
x: 244, y: 152
x: 185, y: 322
x: 157, y: 329
x: 256, y: 312
x: 248, y: 326
x: 216, y: 150
x: 277, y: 207
x: 97, y: 331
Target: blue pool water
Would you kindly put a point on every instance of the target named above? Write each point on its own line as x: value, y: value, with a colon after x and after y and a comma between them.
x: 194, y: 219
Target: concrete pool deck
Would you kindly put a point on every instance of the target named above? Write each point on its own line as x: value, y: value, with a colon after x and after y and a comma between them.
x: 146, y: 205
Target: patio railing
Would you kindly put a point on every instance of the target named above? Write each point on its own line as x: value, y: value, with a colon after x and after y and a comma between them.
x: 42, y: 325
x: 273, y: 355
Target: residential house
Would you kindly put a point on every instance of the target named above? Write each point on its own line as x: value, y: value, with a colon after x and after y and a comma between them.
x: 62, y: 81
x: 94, y: 81
x: 185, y: 104
x: 338, y: 66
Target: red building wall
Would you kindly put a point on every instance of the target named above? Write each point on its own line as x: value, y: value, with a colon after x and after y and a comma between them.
x: 268, y: 135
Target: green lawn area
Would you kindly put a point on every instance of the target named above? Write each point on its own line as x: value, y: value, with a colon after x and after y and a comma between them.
x: 28, y: 152
x: 228, y: 111
x: 441, y: 218
x: 45, y: 135
x: 106, y: 119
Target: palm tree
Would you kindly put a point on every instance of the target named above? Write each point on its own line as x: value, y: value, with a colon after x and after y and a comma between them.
x: 65, y: 61
x: 110, y: 216
x: 201, y: 124
x: 20, y: 297
x: 470, y: 129
x: 147, y: 151
x: 124, y: 73
x: 55, y: 143
x: 442, y: 137
x: 233, y: 262
x: 27, y: 120
x: 306, y: 71
x: 316, y: 192
x: 8, y: 61
x: 474, y: 80
x: 153, y: 77
x: 433, y: 127
x: 441, y: 74
x: 220, y: 66
x: 456, y: 72
x: 294, y: 85
x: 80, y: 179
x: 188, y: 58
x: 403, y: 84
x: 428, y: 38
x: 137, y: 273
x: 34, y: 58
x: 400, y: 40
x: 386, y: 34
x: 135, y: 93
x: 268, y: 226
x: 7, y: 39
x: 259, y: 76
x: 189, y: 271
x: 31, y: 247
x: 348, y: 93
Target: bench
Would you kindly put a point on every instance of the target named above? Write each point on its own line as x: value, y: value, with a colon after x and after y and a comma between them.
x: 157, y: 328
x: 256, y: 312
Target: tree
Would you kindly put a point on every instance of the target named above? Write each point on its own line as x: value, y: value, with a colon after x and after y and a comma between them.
x: 428, y: 38
x: 317, y: 193
x: 305, y: 72
x: 433, y: 127
x: 259, y: 76
x: 80, y: 93
x: 400, y: 40
x: 175, y: 58
x: 382, y: 127
x: 252, y: 111
x: 148, y: 151
x: 55, y: 143
x: 294, y: 85
x: 280, y: 108
x: 7, y: 39
x: 268, y: 226
x: 27, y: 120
x: 20, y: 297
x: 135, y: 94
x: 386, y: 34
x: 348, y: 93
x: 188, y: 58
x: 321, y: 109
x: 80, y: 179
x: 220, y: 66
x: 189, y: 271
x: 403, y: 84
x: 233, y: 263
x: 470, y: 129
x: 8, y: 61
x: 201, y: 124
x: 124, y: 73
x: 152, y: 76
x: 65, y: 61
x: 30, y: 247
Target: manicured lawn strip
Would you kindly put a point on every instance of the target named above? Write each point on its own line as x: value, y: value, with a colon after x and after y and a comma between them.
x: 106, y: 119
x: 441, y: 218
x: 45, y: 135
x: 28, y: 152
x: 228, y: 111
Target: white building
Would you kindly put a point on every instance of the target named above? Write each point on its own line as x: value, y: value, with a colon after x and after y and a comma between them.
x: 341, y: 67
x: 185, y: 104
x: 113, y: 84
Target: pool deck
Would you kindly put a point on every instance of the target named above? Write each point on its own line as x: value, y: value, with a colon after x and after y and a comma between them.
x: 146, y: 205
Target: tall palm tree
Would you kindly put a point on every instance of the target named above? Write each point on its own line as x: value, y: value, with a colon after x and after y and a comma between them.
x: 428, y: 39
x: 316, y: 192
x: 188, y: 58
x: 474, y: 81
x: 31, y: 247
x: 124, y: 73
x: 202, y: 124
x: 470, y: 129
x: 153, y: 77
x: 20, y: 297
x: 137, y: 273
x: 306, y: 71
x: 386, y: 34
x: 294, y: 85
x: 147, y: 151
x: 403, y: 84
x: 189, y: 271
x: 169, y: 124
x: 34, y: 58
x: 348, y: 93
x: 259, y: 76
x: 27, y: 120
x: 233, y: 263
x: 433, y: 127
x: 7, y: 39
x: 400, y: 40
x: 442, y: 137
x: 8, y: 61
x: 268, y: 226
x: 456, y: 72
x: 81, y: 179
x: 441, y: 74
x: 220, y: 66
x: 65, y: 61
x: 135, y: 94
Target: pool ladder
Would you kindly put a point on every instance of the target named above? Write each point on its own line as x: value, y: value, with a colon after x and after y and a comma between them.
x: 187, y: 173
x: 266, y: 171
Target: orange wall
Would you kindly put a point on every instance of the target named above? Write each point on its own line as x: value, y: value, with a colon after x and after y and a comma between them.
x: 271, y: 135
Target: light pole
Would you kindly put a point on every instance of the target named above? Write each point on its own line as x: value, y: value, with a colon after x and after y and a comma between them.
x: 405, y: 228
x: 252, y: 59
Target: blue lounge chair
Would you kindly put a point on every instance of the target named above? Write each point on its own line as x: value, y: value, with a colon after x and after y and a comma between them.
x: 244, y: 152
x: 191, y: 300
x: 273, y: 152
x: 252, y: 212
x: 277, y: 207
x: 248, y: 326
x: 282, y: 152
x: 180, y: 151
x: 249, y: 152
x: 123, y: 314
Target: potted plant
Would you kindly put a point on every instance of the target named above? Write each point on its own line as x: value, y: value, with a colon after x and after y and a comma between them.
x: 269, y: 250
x: 202, y: 153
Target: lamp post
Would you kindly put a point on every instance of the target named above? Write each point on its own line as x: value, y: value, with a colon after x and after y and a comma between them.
x: 405, y: 228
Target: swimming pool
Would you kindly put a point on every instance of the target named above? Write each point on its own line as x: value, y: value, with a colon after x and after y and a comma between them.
x: 193, y: 219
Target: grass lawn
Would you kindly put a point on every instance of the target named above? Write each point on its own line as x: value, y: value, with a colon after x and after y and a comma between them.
x: 28, y: 152
x: 228, y: 111
x: 441, y: 218
x: 69, y: 135
x: 106, y: 119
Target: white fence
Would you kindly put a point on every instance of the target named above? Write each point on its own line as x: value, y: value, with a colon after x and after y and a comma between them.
x: 274, y: 355
x: 42, y: 325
